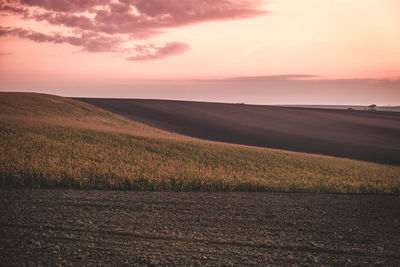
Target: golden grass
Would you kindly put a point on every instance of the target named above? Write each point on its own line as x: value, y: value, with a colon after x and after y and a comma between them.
x: 58, y: 142
x: 43, y: 108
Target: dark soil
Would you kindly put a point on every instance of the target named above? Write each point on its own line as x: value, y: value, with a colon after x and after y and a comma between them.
x: 63, y: 227
x: 363, y: 135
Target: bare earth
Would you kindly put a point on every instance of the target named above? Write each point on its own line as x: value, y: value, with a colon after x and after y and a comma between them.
x: 149, y: 228
x: 363, y: 135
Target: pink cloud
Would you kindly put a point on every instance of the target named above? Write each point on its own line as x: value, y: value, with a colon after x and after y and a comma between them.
x: 158, y: 14
x: 264, y: 78
x: 275, y: 77
x: 12, y: 9
x: 65, y: 19
x: 149, y: 15
x: 65, y: 5
x: 89, y: 42
x: 152, y: 52
x: 133, y: 18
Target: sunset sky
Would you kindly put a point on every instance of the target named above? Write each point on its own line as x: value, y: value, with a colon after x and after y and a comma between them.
x: 261, y: 52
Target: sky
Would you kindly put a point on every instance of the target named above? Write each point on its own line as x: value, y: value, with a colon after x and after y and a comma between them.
x: 335, y: 52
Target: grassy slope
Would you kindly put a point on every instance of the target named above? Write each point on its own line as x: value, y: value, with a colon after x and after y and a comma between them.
x: 49, y: 141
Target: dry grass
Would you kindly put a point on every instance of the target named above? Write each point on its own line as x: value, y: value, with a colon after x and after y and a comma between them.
x: 42, y: 108
x: 49, y: 141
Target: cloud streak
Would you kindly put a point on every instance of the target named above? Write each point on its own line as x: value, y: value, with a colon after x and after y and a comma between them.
x: 153, y: 52
x: 65, y: 5
x: 275, y: 77
x: 91, y: 43
x: 264, y: 78
x: 98, y: 24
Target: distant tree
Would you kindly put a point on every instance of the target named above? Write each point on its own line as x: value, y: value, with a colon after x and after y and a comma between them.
x: 372, y: 107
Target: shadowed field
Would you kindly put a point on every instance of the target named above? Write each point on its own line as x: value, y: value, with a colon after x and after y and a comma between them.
x: 92, y: 228
x: 363, y: 135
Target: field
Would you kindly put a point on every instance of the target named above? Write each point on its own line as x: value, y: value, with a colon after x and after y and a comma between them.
x: 109, y: 228
x: 54, y: 142
x: 355, y: 134
x: 50, y: 144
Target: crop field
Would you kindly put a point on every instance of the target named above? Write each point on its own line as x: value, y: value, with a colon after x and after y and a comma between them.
x: 53, y: 142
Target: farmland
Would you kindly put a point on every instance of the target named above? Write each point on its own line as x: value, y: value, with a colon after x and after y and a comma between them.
x: 144, y: 196
x: 355, y: 134
x: 53, y: 142
x: 108, y: 228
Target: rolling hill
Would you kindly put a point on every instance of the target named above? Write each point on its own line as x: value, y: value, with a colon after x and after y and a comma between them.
x: 362, y: 135
x: 53, y: 142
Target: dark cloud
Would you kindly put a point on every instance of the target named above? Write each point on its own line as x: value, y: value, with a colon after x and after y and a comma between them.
x: 135, y: 18
x: 152, y: 52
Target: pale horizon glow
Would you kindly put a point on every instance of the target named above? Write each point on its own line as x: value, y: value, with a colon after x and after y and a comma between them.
x: 293, y: 52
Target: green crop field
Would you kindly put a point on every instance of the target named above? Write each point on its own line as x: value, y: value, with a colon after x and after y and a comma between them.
x: 54, y: 142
